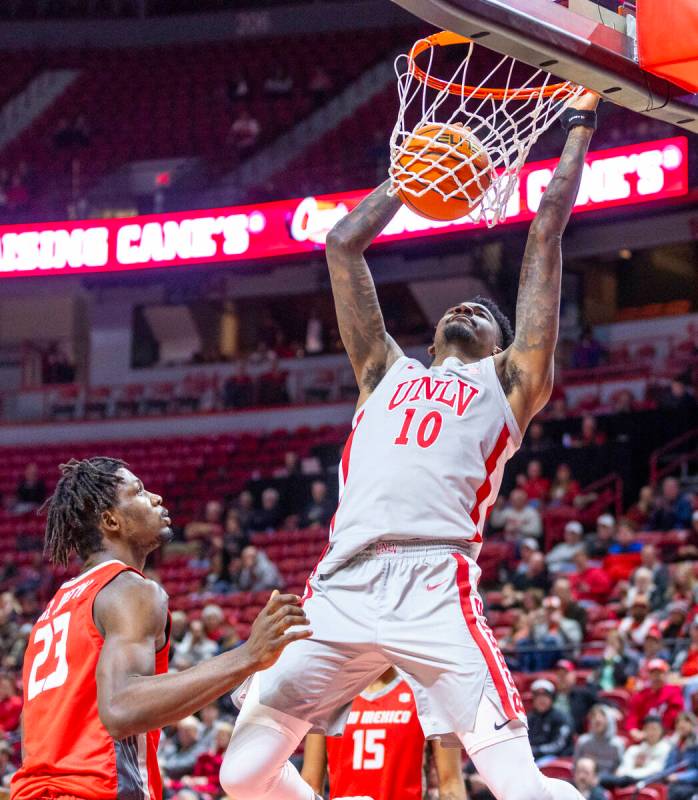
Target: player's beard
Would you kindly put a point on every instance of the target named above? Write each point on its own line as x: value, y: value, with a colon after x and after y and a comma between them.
x: 460, y: 333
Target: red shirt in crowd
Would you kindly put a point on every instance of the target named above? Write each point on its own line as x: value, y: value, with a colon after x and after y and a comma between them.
x: 10, y: 712
x: 665, y: 702
x: 591, y: 584
x: 536, y: 488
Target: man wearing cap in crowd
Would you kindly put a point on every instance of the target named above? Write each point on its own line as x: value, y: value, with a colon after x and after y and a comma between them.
x: 599, y: 542
x: 561, y: 557
x: 653, y: 648
x: 660, y: 573
x: 573, y: 699
x: 674, y: 624
x: 549, y: 730
x: 657, y: 698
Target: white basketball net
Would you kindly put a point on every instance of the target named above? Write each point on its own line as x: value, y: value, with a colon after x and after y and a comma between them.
x: 503, y: 124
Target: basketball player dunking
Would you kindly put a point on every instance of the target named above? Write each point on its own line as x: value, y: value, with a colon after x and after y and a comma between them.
x: 397, y: 584
x: 96, y: 690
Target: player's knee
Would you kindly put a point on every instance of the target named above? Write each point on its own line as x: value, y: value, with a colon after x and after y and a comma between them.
x: 241, y: 777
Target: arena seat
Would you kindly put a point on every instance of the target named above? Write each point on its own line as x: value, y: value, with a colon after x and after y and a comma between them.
x: 562, y: 768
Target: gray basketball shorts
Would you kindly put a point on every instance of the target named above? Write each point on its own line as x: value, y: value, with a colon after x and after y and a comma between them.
x: 412, y: 605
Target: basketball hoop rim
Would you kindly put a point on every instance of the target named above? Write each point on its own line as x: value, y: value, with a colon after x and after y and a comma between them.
x: 446, y: 38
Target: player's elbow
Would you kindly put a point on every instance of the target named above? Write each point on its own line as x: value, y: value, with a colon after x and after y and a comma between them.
x: 339, y: 240
x: 117, y: 722
x: 546, y: 232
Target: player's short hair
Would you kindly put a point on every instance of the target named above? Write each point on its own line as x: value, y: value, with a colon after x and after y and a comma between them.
x: 84, y: 491
x: 506, y: 331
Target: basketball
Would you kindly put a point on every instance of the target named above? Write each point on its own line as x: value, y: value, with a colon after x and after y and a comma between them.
x: 453, y: 161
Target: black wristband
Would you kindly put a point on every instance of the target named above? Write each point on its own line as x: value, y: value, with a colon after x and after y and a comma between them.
x: 572, y: 117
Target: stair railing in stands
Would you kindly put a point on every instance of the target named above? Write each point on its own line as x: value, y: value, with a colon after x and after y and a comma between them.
x: 614, y: 483
x: 674, y: 455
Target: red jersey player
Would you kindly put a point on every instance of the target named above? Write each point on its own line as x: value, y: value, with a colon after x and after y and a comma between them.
x: 381, y: 753
x: 96, y: 690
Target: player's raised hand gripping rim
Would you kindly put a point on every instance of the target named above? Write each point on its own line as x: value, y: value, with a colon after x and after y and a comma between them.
x: 271, y: 631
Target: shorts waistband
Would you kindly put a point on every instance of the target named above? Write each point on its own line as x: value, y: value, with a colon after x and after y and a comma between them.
x: 414, y: 549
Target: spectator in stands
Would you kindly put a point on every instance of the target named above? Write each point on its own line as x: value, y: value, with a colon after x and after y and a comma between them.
x: 598, y: 543
x: 653, y: 648
x: 561, y: 557
x: 602, y: 742
x: 178, y: 628
x: 235, y: 539
x: 660, y: 574
x: 204, y: 777
x: 31, y: 490
x: 279, y: 83
x: 641, y: 512
x: 212, y: 618
x: 534, y: 575
x: 564, y: 489
x: 674, y: 624
x: 625, y: 541
x: 586, y: 779
x: 244, y: 132
x: 208, y: 715
x: 549, y: 634
x: 617, y: 664
x: 686, y: 663
x: 10, y: 704
x: 690, y: 548
x: 244, y: 507
x: 321, y: 508
x: 636, y: 624
x: 683, y: 584
x: 642, y: 583
x: 549, y: 730
x: 659, y: 697
x: 623, y: 402
x: 672, y: 509
x: 537, y: 439
x: 194, y: 647
x: 589, y: 435
x: 678, y: 398
x: 570, y: 608
x: 683, y: 780
x: 534, y: 483
x: 643, y: 759
x: 238, y: 389
x: 518, y: 518
x: 320, y: 84
x: 588, y: 583
x: 572, y: 698
x: 272, y: 384
x: 210, y: 526
x: 258, y: 573
x: 178, y: 755
x: 588, y: 352
x: 268, y: 517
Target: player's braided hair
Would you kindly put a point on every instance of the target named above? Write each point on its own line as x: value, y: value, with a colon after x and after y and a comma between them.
x: 85, y: 489
x: 502, y: 320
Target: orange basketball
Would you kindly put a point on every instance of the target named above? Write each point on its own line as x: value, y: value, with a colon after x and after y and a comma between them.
x: 451, y: 148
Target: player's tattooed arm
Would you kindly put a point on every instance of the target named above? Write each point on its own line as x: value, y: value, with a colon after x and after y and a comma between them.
x: 370, y: 348
x: 526, y: 368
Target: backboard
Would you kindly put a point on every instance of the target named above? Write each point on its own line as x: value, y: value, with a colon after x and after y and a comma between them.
x: 585, y: 43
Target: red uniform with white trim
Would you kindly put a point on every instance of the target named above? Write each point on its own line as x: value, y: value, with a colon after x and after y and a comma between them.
x: 425, y: 457
x: 67, y: 750
x: 381, y: 752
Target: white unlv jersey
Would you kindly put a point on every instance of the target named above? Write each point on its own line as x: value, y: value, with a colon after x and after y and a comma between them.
x: 425, y: 457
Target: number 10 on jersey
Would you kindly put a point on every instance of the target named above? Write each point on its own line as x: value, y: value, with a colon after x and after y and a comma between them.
x: 425, y: 430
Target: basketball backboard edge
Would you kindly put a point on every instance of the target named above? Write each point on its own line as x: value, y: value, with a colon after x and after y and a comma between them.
x: 571, y: 46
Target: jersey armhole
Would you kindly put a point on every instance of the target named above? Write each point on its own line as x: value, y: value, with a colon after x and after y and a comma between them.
x: 95, y: 629
x: 401, y: 360
x: 512, y: 424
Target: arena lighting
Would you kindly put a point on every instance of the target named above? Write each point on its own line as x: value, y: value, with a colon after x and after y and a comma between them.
x: 621, y: 176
